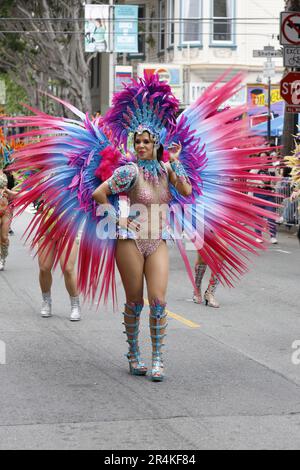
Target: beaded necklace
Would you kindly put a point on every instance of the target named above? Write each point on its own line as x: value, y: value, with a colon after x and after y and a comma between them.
x: 152, y: 170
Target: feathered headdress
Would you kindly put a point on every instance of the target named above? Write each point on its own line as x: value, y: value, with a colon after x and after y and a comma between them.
x: 146, y: 104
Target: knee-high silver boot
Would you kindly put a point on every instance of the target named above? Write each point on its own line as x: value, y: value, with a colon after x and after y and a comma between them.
x: 132, y: 323
x: 158, y: 325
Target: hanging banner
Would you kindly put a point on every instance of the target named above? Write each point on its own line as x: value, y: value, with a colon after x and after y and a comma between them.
x: 123, y: 76
x: 198, y: 88
x: 126, y: 29
x: 96, y: 28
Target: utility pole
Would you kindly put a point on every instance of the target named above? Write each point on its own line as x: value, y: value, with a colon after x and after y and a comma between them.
x: 290, y: 120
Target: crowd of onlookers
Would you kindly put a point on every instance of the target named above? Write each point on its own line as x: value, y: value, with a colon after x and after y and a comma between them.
x: 281, y: 192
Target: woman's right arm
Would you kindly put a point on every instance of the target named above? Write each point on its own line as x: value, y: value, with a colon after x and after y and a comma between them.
x: 100, y: 195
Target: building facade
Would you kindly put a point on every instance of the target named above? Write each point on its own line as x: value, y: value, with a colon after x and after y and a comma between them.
x: 193, y: 42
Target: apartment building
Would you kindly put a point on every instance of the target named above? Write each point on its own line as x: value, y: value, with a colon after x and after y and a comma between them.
x: 192, y: 42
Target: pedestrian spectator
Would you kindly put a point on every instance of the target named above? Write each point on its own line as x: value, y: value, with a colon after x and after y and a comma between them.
x: 268, y: 196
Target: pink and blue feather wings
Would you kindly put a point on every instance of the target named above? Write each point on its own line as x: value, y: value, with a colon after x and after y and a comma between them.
x: 222, y: 211
x: 63, y: 156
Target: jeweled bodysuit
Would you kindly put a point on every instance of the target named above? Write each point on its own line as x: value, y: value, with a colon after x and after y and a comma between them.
x: 146, y: 185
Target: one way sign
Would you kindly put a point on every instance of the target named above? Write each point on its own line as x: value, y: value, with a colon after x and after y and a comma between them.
x: 290, y: 28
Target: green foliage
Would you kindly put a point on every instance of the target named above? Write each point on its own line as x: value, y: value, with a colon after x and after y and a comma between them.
x: 15, y: 95
x: 5, y: 7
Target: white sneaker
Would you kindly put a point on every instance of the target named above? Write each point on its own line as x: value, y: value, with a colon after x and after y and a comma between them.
x: 259, y: 240
x: 2, y: 264
x: 273, y: 240
x: 75, y: 309
x: 46, y: 310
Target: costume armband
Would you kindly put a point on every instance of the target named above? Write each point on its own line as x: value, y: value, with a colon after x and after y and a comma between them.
x: 179, y: 171
x: 122, y: 179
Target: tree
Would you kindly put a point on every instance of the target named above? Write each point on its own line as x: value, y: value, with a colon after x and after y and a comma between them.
x: 42, y: 48
x: 15, y: 96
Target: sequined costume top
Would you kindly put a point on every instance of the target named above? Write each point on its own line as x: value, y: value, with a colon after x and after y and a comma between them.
x: 146, y: 185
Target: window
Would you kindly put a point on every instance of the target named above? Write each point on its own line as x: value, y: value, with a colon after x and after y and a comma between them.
x: 162, y: 25
x: 222, y: 13
x: 191, y: 25
x: 172, y: 22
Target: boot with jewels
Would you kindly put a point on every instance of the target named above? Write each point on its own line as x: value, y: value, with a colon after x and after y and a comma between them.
x: 158, y: 325
x: 131, y: 322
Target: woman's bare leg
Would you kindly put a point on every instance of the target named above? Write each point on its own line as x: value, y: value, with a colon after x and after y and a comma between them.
x: 46, y: 262
x: 69, y: 270
x: 130, y: 263
x: 157, y: 273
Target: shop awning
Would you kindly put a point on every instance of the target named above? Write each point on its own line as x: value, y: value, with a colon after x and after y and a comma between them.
x: 276, y: 127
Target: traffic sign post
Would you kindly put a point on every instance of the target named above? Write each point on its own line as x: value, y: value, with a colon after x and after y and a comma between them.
x: 290, y: 91
x: 291, y: 56
x: 267, y: 51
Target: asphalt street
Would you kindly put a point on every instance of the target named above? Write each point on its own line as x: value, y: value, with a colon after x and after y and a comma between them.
x: 231, y: 379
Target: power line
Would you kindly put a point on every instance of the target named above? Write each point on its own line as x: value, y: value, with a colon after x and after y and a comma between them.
x: 276, y: 19
x: 144, y: 33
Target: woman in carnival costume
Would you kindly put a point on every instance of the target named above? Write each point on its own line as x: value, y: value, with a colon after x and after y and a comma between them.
x: 7, y: 183
x: 205, y: 186
x: 67, y: 261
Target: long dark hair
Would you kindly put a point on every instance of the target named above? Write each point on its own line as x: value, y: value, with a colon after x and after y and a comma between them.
x: 160, y: 150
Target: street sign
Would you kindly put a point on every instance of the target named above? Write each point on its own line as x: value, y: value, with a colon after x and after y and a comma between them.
x: 267, y: 51
x: 290, y: 90
x: 290, y: 28
x: 293, y: 109
x: 291, y: 56
x: 269, y: 68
